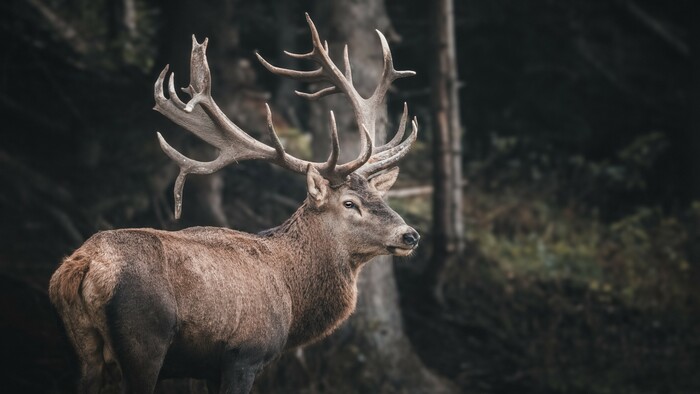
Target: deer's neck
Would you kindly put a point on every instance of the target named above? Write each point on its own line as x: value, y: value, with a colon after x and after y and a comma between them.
x: 320, y: 274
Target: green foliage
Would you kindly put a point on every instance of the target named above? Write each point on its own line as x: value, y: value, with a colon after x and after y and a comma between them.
x: 563, y: 292
x: 531, y: 237
x: 573, y: 280
x: 550, y: 299
x: 642, y: 256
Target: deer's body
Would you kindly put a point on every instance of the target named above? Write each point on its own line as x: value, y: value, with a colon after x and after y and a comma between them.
x: 218, y: 304
x: 209, y: 291
x: 204, y: 301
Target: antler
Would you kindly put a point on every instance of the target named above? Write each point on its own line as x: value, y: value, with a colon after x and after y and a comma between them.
x: 365, y: 109
x: 203, y: 117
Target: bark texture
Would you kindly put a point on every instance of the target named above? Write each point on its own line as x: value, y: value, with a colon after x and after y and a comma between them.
x: 371, y: 352
x: 448, y: 228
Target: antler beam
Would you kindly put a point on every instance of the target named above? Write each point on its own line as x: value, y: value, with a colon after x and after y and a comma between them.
x: 202, y: 117
x: 365, y: 108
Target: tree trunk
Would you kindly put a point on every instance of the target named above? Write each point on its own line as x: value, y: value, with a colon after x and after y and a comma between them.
x: 448, y: 227
x: 373, y: 337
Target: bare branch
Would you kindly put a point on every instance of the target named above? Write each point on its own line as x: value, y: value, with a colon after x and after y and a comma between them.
x: 658, y: 28
x: 61, y: 28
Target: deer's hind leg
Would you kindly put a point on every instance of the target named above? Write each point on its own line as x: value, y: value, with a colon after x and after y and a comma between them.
x: 88, y: 344
x: 238, y: 371
x: 91, y: 364
x: 141, y: 322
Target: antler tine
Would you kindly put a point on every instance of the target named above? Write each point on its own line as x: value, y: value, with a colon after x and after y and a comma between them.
x: 202, y: 117
x: 318, y: 94
x: 346, y: 64
x: 173, y: 94
x: 390, y: 157
x: 341, y: 82
x: 402, y: 148
x: 328, y: 72
x: 335, y: 144
x: 304, y: 76
x: 290, y: 162
x: 389, y: 74
x: 348, y: 168
x: 276, y: 143
x: 307, y: 55
x: 187, y: 166
x: 399, y: 132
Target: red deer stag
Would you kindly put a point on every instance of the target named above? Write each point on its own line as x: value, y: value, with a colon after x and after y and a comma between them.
x: 218, y: 304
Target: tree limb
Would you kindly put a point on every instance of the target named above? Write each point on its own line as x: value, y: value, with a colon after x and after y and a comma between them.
x: 658, y: 28
x: 62, y: 28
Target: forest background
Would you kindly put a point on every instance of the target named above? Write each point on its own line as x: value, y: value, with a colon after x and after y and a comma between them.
x: 576, y: 265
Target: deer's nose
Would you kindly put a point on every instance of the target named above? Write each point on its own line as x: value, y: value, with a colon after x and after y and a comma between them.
x: 411, y: 238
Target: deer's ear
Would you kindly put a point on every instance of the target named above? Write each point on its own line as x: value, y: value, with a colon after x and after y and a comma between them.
x: 317, y: 186
x: 384, y: 181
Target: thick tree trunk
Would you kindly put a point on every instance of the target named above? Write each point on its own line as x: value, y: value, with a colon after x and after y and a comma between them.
x: 447, y: 197
x: 373, y: 338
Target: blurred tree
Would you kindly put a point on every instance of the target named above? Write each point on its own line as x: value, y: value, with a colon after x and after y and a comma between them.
x: 448, y: 228
x: 389, y: 362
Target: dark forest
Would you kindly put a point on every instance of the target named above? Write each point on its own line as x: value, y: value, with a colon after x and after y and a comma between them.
x: 555, y: 181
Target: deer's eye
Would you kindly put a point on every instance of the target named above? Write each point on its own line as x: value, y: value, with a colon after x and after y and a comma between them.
x: 349, y: 204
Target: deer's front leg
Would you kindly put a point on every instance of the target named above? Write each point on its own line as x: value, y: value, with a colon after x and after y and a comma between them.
x: 239, y: 369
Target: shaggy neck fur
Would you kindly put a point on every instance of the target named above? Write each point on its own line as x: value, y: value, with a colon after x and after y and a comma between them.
x: 320, y: 275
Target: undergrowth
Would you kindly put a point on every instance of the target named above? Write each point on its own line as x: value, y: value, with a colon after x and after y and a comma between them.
x: 561, y: 292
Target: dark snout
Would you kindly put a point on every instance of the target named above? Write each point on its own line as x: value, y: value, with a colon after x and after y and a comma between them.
x: 411, y: 238
x: 405, y: 242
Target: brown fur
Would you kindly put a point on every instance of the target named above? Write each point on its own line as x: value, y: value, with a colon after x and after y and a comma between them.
x: 64, y: 287
x: 223, y: 290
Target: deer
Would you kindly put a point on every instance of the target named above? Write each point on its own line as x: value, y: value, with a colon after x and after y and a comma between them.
x: 217, y: 304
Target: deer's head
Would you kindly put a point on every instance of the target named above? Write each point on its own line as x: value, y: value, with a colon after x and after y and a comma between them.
x: 355, y: 211
x: 348, y: 196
